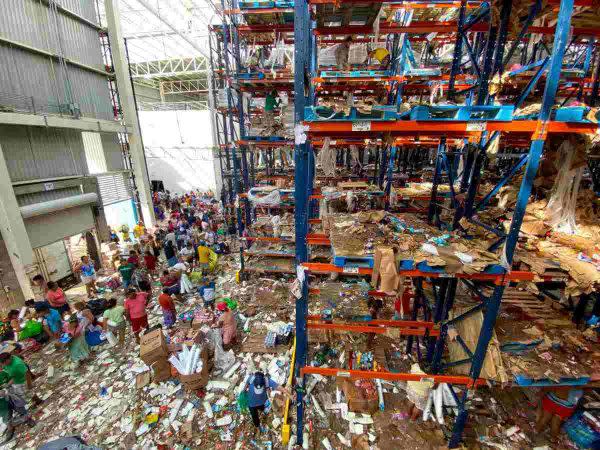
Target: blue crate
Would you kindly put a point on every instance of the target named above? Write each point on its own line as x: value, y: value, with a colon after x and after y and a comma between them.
x: 353, y: 73
x: 407, y: 264
x: 525, y: 381
x: 382, y: 113
x: 284, y: 3
x: 570, y: 114
x: 426, y: 72
x: 265, y: 138
x: 251, y: 75
x: 367, y: 261
x: 502, y: 113
x: 256, y: 5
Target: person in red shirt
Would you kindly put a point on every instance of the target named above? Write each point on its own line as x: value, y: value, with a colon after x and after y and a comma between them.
x: 168, y: 308
x: 135, y: 310
x: 57, y: 298
x: 150, y: 261
x: 133, y: 258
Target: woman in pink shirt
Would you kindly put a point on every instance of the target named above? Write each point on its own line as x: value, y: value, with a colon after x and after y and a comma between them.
x: 228, y: 325
x: 135, y: 310
x: 57, y: 298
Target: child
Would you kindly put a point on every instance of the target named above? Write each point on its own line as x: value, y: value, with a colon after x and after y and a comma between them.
x: 51, y: 321
x: 79, y: 350
x: 168, y: 308
x: 126, y: 270
x: 114, y: 320
x: 82, y: 311
x: 135, y: 307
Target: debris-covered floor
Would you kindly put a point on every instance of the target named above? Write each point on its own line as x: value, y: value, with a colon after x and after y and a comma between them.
x: 112, y: 400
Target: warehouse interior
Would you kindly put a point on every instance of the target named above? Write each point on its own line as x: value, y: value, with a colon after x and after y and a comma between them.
x: 385, y: 210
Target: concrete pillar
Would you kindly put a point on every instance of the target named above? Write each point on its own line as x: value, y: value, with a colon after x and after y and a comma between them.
x: 13, y: 230
x: 119, y: 56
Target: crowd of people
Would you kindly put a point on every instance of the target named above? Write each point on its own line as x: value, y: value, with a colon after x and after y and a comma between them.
x: 180, y: 254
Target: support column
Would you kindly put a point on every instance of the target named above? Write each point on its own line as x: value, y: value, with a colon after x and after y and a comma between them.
x: 119, y: 54
x: 13, y: 230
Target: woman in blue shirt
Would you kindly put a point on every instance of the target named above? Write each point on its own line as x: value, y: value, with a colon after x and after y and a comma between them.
x: 257, y: 390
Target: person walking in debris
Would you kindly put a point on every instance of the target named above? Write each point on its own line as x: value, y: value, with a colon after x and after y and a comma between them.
x: 135, y: 306
x: 228, y: 325
x: 126, y: 270
x: 257, y: 391
x: 15, y: 372
x: 114, y: 320
x: 168, y: 308
x: 79, y: 350
x: 13, y: 412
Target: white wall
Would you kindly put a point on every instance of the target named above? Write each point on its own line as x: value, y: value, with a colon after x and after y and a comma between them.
x: 179, y: 149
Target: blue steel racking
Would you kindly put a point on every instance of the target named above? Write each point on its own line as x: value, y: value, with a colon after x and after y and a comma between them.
x: 478, y: 121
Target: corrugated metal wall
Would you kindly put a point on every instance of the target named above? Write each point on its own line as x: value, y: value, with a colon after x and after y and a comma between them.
x: 36, y: 153
x: 112, y: 152
x: 114, y: 188
x: 83, y: 8
x: 28, y: 74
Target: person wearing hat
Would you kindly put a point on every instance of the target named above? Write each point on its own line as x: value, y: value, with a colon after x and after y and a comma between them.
x: 228, y: 324
x: 257, y: 391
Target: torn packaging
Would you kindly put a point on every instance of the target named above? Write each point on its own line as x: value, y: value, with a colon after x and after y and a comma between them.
x: 196, y: 381
x: 385, y: 276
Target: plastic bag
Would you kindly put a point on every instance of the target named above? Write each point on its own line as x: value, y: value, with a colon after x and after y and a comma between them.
x: 242, y: 401
x: 273, y: 198
x: 560, y: 212
x: 327, y: 158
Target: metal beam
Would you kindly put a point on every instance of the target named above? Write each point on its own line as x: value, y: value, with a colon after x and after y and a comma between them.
x: 155, y: 13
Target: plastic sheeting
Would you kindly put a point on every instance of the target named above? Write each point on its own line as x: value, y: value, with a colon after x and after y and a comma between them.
x: 560, y: 211
x: 273, y: 198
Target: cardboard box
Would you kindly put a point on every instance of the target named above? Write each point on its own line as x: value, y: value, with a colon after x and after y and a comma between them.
x: 199, y: 380
x: 161, y: 370
x: 153, y: 347
x: 356, y: 402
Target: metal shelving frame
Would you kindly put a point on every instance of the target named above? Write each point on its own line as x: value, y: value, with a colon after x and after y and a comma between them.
x: 474, y: 64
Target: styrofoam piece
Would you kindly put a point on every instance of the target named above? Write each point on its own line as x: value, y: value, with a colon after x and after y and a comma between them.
x: 208, y: 409
x: 218, y: 385
x: 224, y: 421
x: 317, y: 406
x: 343, y: 440
x: 232, y: 369
x: 327, y: 444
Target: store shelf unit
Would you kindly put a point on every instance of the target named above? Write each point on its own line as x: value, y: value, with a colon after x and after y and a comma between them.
x: 485, y: 45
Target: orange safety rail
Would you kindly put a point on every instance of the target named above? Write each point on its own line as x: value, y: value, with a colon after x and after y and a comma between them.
x: 391, y: 376
x: 329, y: 268
x: 349, y: 79
x: 316, y: 197
x: 315, y: 221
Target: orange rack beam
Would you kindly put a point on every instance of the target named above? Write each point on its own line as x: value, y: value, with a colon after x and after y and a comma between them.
x: 265, y: 239
x: 436, y: 127
x: 498, y: 279
x: 370, y: 329
x: 391, y: 376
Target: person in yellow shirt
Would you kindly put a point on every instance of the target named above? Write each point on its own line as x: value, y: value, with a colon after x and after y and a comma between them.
x: 381, y: 55
x: 203, y: 256
x: 139, y: 230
